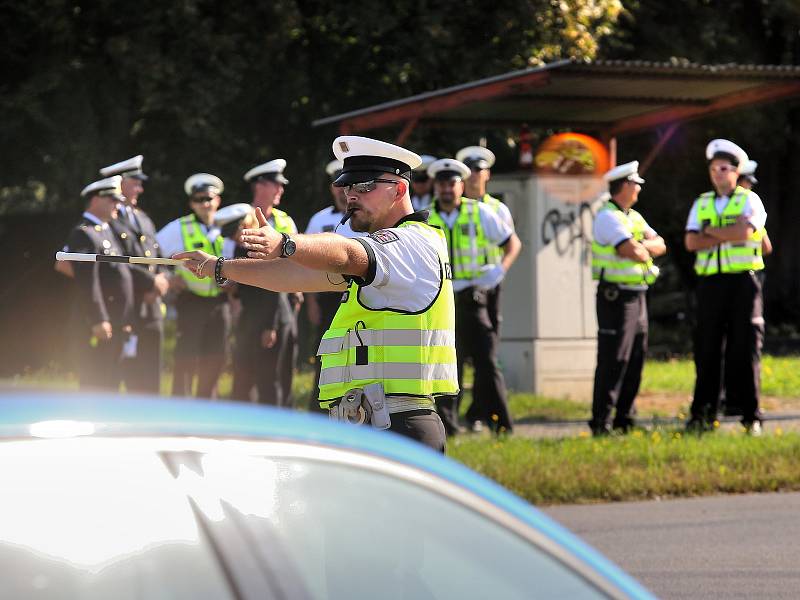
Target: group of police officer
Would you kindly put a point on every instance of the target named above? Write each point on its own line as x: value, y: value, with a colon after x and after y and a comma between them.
x: 726, y: 230
x: 119, y: 308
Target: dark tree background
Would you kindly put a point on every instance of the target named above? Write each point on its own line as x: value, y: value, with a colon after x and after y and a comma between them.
x: 205, y: 85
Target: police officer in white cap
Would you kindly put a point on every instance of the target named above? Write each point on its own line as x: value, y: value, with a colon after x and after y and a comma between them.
x: 203, y: 313
x: 472, y: 229
x: 103, y: 292
x: 137, y: 236
x: 389, y: 352
x: 726, y: 230
x: 422, y: 184
x: 622, y: 263
x: 267, y: 186
x: 480, y: 161
x: 320, y: 307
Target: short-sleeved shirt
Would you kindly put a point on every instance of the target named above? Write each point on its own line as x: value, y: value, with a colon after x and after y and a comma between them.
x: 404, y: 268
x: 753, y: 209
x: 610, y: 231
x: 170, y: 238
x: 496, y: 231
x: 327, y: 221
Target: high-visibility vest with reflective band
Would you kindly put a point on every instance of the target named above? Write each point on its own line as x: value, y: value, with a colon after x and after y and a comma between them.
x: 608, y: 265
x: 411, y: 354
x: 195, y: 239
x: 283, y: 222
x: 469, y: 249
x: 495, y: 252
x: 727, y: 257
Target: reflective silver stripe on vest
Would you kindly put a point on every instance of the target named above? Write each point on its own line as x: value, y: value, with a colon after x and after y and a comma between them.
x: 388, y: 337
x: 384, y: 371
x: 398, y: 404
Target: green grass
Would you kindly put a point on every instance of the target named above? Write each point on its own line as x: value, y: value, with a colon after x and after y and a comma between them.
x: 780, y: 376
x: 635, y: 467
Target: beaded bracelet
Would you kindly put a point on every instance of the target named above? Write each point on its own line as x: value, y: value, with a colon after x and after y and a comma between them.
x: 218, y: 272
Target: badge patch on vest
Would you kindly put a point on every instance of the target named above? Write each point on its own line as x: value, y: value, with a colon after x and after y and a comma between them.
x: 345, y: 297
x: 384, y: 236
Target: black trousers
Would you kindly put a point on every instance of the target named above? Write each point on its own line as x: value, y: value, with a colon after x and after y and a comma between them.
x: 142, y: 374
x: 730, y: 321
x: 202, y: 331
x: 99, y: 362
x: 493, y: 306
x: 259, y: 367
x: 424, y: 426
x: 476, y: 337
x: 621, y: 348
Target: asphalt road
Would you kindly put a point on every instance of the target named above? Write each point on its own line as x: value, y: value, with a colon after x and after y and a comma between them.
x: 736, y: 546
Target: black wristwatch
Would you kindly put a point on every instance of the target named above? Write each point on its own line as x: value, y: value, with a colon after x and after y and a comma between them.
x: 288, y: 247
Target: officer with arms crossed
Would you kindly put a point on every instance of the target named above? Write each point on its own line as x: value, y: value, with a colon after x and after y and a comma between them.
x: 622, y: 262
x: 137, y: 236
x: 103, y: 292
x: 203, y: 312
x: 472, y: 229
x: 390, y: 350
x: 726, y: 228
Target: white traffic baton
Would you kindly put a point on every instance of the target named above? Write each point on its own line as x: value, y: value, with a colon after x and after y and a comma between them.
x: 110, y: 258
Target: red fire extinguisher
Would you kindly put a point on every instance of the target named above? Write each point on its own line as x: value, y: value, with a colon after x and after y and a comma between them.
x: 525, y: 149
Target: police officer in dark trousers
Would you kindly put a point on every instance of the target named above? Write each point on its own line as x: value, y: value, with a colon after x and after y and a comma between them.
x: 472, y: 229
x: 389, y: 353
x: 480, y: 161
x: 203, y: 319
x: 103, y: 292
x: 726, y: 229
x: 321, y: 307
x: 622, y: 262
x: 137, y: 236
x: 267, y: 325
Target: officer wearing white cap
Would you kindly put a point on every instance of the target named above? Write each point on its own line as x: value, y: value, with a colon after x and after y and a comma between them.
x: 103, y: 292
x: 321, y: 307
x: 472, y: 229
x: 480, y: 160
x: 389, y: 352
x: 137, y: 236
x: 422, y: 184
x: 203, y: 313
x: 726, y: 230
x: 267, y: 327
x: 622, y: 263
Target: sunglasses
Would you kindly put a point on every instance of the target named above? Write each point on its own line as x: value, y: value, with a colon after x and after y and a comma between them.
x: 200, y: 199
x: 722, y: 168
x: 365, y: 187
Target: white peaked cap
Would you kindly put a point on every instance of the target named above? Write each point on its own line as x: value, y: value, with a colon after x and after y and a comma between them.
x: 333, y: 167
x: 749, y: 168
x: 445, y: 168
x: 481, y: 157
x: 629, y: 171
x: 111, y: 186
x: 269, y: 170
x: 365, y: 159
x: 233, y: 212
x: 127, y: 168
x: 202, y: 182
x: 727, y: 147
x: 427, y: 160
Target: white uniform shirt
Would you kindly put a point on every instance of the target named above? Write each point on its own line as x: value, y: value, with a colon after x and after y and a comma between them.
x: 170, y: 239
x: 421, y: 202
x: 407, y: 270
x: 495, y: 230
x: 505, y: 215
x: 609, y: 231
x: 326, y: 220
x: 753, y: 209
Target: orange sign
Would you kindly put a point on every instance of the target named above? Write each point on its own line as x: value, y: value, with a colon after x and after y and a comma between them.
x: 571, y: 154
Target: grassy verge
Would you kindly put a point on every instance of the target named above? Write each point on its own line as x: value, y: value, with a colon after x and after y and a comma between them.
x: 636, y: 467
x: 780, y: 376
